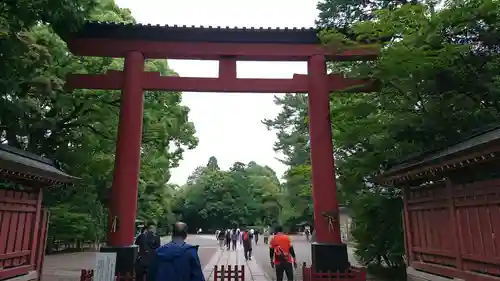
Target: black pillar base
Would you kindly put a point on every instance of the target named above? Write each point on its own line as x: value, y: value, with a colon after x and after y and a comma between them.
x: 125, y: 258
x: 329, y: 257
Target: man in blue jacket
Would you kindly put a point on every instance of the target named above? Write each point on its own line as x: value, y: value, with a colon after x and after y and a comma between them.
x: 177, y: 260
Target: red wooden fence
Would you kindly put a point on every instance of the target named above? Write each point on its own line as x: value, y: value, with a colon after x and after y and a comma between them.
x: 23, y: 227
x: 353, y: 274
x: 454, y: 230
x: 229, y: 273
x: 222, y: 273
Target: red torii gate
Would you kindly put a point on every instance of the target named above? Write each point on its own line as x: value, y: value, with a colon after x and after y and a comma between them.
x: 136, y: 43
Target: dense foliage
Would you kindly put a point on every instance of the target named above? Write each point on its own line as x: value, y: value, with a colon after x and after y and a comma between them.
x: 245, y: 195
x: 439, y: 71
x: 79, y: 128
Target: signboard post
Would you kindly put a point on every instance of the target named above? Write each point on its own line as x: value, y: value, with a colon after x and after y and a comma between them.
x: 105, y: 267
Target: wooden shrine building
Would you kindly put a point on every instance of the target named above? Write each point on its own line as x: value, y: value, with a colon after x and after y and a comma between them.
x: 23, y: 220
x: 452, y: 210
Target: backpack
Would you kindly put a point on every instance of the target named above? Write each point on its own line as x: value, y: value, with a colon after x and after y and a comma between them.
x: 280, y: 255
x: 245, y: 236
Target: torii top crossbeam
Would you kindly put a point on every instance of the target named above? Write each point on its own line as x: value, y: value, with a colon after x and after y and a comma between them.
x: 201, y: 43
x: 227, y: 45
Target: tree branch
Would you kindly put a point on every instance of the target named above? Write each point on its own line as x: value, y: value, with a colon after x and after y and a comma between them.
x: 478, y: 78
x: 90, y: 127
x: 73, y: 114
x: 114, y: 103
x: 97, y: 132
x: 400, y: 91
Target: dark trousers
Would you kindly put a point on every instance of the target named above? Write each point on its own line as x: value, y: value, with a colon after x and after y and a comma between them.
x: 284, y: 268
x: 248, y: 252
x: 234, y: 244
x: 228, y: 243
x: 140, y: 272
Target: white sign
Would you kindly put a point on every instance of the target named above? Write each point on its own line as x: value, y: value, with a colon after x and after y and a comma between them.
x: 105, y: 267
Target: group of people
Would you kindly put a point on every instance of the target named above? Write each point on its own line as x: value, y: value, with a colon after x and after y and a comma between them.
x: 178, y: 260
x: 229, y: 239
x: 234, y: 237
x: 281, y: 252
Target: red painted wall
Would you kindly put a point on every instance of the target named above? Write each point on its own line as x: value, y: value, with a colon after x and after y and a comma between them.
x: 454, y: 229
x: 21, y: 232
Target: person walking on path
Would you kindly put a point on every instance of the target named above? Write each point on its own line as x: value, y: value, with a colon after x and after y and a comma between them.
x: 221, y: 237
x: 247, y: 245
x: 234, y: 239
x: 256, y: 236
x: 228, y: 239
x: 177, y: 260
x: 148, y: 242
x: 282, y: 255
x: 266, y: 235
x: 307, y: 232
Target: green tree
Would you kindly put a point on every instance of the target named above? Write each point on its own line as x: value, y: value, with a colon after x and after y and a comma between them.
x: 247, y: 194
x: 376, y: 221
x: 439, y: 75
x: 298, y: 204
x: 79, y: 128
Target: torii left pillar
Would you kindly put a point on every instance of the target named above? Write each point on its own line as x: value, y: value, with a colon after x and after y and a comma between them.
x: 124, y: 190
x: 329, y: 254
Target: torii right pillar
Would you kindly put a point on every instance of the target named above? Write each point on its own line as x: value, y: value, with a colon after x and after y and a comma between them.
x: 329, y: 254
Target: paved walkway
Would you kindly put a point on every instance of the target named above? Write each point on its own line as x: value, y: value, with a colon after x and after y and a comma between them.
x: 68, y: 266
x: 253, y: 271
x: 302, y: 249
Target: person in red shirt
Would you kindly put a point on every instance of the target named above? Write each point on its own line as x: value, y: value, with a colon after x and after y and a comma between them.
x: 282, y: 255
x: 247, y: 244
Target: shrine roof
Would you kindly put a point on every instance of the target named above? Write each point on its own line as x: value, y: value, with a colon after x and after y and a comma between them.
x: 210, y: 34
x: 25, y: 165
x: 476, y: 148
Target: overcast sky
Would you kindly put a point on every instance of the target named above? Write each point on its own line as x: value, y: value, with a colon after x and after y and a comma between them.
x: 228, y: 124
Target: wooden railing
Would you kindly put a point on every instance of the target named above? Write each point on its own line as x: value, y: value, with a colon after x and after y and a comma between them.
x: 352, y: 274
x: 61, y: 246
